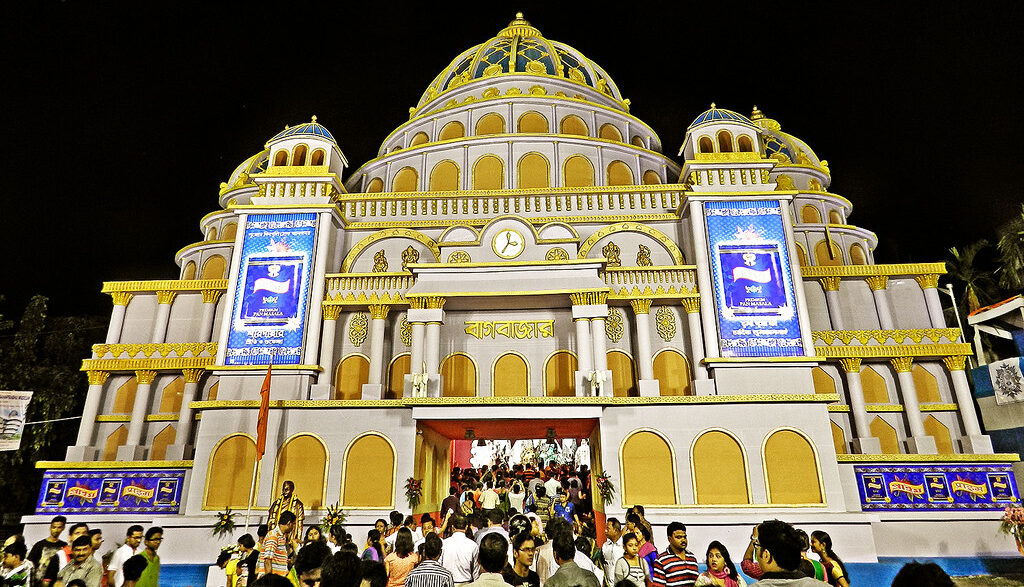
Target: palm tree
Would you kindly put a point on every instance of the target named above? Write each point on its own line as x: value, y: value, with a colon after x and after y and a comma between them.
x: 1011, y: 255
x: 977, y: 283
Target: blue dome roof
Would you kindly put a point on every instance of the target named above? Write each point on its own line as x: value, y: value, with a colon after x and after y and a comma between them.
x: 720, y: 115
x: 308, y: 129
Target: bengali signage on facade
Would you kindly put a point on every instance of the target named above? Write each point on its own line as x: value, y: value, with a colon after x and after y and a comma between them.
x: 268, y: 315
x: 13, y: 407
x: 753, y: 285
x: 115, y: 492
x: 933, y: 487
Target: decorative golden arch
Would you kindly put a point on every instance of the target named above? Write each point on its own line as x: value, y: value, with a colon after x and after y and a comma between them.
x: 937, y: 430
x: 838, y: 438
x: 318, y: 157
x: 651, y: 177
x: 618, y: 173
x: 834, y: 217
x: 170, y: 396
x: 406, y: 180
x: 720, y: 474
x: 533, y: 170
x: 886, y: 435
x: 744, y: 144
x: 801, y: 255
x: 822, y: 255
x: 452, y: 130
x: 624, y: 383
x: 229, y: 232
x: 646, y: 476
x: 610, y: 132
x: 810, y: 214
x: 161, y: 441
x: 213, y: 268
x: 559, y: 374
x: 368, y: 479
x: 390, y: 233
x: 857, y: 255
x: 444, y: 177
x: 375, y: 185
x: 657, y: 235
x: 281, y: 158
x: 397, y: 370
x: 672, y: 370
x: 532, y: 122
x: 488, y: 173
x: 724, y: 141
x: 787, y: 457
x: 490, y: 124
x: 189, y: 272
x: 299, y: 154
x: 577, y: 171
x: 352, y: 371
x: 229, y: 475
x: 299, y: 461
x: 454, y: 367
x: 573, y: 125
x: 823, y: 382
x: 510, y: 375
x: 876, y: 391
x: 419, y: 139
x: 124, y: 398
x: 926, y: 385
x: 705, y: 145
x: 115, y: 439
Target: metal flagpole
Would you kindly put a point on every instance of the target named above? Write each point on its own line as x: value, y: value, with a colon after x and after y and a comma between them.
x: 252, y: 489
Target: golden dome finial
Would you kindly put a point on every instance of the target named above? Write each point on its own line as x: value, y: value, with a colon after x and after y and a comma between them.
x: 756, y: 114
x: 314, y: 118
x: 712, y: 105
x: 519, y: 27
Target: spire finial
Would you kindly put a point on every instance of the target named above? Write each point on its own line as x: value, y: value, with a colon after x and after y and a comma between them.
x: 756, y: 114
x: 712, y: 105
x: 519, y: 27
x: 314, y: 118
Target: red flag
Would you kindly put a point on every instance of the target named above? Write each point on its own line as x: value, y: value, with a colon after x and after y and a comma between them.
x: 261, y: 422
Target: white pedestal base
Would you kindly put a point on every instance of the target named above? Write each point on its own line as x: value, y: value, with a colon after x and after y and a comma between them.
x: 433, y: 388
x: 976, y: 445
x: 372, y: 391
x: 81, y: 453
x: 131, y: 453
x: 320, y: 391
x: 866, y: 446
x: 649, y: 387
x: 584, y: 389
x: 922, y: 445
x: 704, y: 387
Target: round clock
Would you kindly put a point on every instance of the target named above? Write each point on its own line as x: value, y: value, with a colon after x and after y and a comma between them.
x: 508, y: 243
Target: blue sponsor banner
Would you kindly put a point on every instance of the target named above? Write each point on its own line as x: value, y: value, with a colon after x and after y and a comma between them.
x: 115, y: 492
x: 936, y: 487
x: 268, y: 315
x: 754, y: 295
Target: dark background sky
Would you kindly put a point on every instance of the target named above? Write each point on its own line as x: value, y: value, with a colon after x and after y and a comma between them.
x: 120, y: 120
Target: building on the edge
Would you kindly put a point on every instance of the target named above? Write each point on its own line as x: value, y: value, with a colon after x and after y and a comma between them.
x: 715, y: 326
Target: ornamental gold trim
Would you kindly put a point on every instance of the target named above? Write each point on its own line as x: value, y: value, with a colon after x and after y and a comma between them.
x: 929, y: 281
x: 189, y: 285
x: 657, y: 235
x: 954, y: 363
x: 588, y: 298
x: 114, y: 418
x: 145, y: 376
x: 210, y: 296
x: 166, y: 364
x: 939, y: 407
x: 192, y: 375
x: 641, y: 306
x: 829, y: 283
x: 449, y: 222
x: 917, y: 335
x: 331, y: 311
x: 148, y: 350
x: 851, y: 364
x: 915, y: 458
x: 97, y: 377
x: 113, y: 464
x: 426, y: 302
x: 892, y: 270
x: 877, y: 282
x: 357, y: 328
x: 902, y: 364
x: 691, y: 305
x: 893, y: 351
x: 166, y: 297
x: 121, y: 298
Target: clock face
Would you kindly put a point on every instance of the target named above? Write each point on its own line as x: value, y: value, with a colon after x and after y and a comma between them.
x: 508, y: 243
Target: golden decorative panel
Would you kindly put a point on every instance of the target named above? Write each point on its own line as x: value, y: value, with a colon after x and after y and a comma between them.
x: 666, y: 322
x: 613, y: 325
x: 148, y: 350
x: 380, y: 262
x: 556, y: 254
x: 917, y: 335
x: 459, y: 257
x: 611, y: 252
x: 409, y: 255
x: 405, y: 331
x: 357, y: 328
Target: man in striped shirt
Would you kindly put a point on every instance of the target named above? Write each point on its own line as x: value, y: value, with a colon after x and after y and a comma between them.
x: 675, y: 567
x: 274, y: 556
x: 430, y: 573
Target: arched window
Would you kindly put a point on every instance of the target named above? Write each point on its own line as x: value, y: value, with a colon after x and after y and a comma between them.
x: 623, y: 374
x: 619, y: 174
x: 724, y: 141
x: 299, y: 155
x: 926, y: 385
x: 350, y: 375
x: 857, y: 255
x: 533, y: 171
x: 719, y: 470
x: 490, y: 124
x: 577, y: 172
x: 532, y: 122
x: 648, y: 470
x: 744, y: 144
x: 823, y: 382
x: 651, y: 177
x: 573, y: 125
x: 705, y: 145
x: 124, y: 399
x: 444, y: 177
x: 838, y: 439
x: 938, y: 431
x: 281, y: 158
x: 211, y: 235
x: 396, y: 376
x: 229, y: 232
x: 559, y: 374
x: 189, y: 272
x: 115, y: 439
x: 369, y: 473
x: 489, y: 173
x: 170, y: 397
x: 406, y: 180
x: 161, y: 441
x: 211, y: 393
x: 317, y: 158
x: 213, y: 268
x: 229, y: 478
x: 886, y: 436
x: 418, y: 139
x: 672, y: 371
x: 452, y: 130
x: 637, y: 141
x: 303, y: 461
x: 827, y: 252
x: 810, y: 214
x: 834, y: 217
x: 875, y: 389
x: 458, y: 374
x: 375, y: 185
x: 791, y: 469
x: 610, y: 132
x: 510, y: 376
x: 801, y: 256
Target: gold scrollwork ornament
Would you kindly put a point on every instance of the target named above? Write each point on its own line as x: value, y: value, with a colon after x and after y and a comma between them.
x: 643, y: 257
x: 613, y: 325
x: 405, y: 331
x: 666, y: 322
x: 357, y: 328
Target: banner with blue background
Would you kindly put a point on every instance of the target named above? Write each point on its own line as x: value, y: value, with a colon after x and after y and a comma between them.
x: 114, y: 492
x: 936, y: 487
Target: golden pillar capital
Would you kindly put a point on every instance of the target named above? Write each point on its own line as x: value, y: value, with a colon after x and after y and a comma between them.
x: 192, y: 375
x: 691, y: 305
x: 145, y: 377
x: 97, y: 377
x: 166, y: 297
x: 954, y: 363
x: 210, y: 296
x: 331, y: 312
x: 427, y: 303
x: 380, y: 311
x: 589, y: 298
x: 877, y: 282
x: 928, y: 281
x: 850, y: 364
x: 829, y: 283
x: 121, y: 298
x: 902, y: 364
x: 641, y: 306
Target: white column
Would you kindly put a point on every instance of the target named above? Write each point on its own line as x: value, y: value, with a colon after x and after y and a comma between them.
x: 330, y: 314
x: 163, y: 314
x: 863, y: 441
x: 210, y: 297
x: 831, y: 287
x: 432, y: 355
x: 121, y: 299
x: 973, y: 442
x: 584, y: 347
x: 325, y: 227
x: 597, y: 329
x: 919, y: 442
x: 692, y: 307
x: 642, y: 309
x: 132, y: 449
x: 929, y: 285
x: 188, y: 395
x: 92, y: 407
x: 878, y: 284
x: 416, y: 356
x: 378, y: 320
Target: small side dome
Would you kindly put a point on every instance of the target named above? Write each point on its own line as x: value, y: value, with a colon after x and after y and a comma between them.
x: 715, y: 114
x: 308, y: 129
x: 784, y: 146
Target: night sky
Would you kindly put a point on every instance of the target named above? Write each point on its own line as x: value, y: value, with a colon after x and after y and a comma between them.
x: 121, y: 119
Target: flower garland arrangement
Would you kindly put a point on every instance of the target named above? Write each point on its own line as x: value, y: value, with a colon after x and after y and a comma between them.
x: 1013, y: 524
x: 225, y: 523
x: 413, y: 491
x: 605, y: 487
x: 332, y: 518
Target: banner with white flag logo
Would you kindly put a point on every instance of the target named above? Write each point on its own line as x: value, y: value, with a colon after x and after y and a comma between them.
x: 13, y: 407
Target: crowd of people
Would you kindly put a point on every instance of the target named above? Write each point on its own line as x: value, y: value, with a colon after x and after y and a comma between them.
x: 52, y: 562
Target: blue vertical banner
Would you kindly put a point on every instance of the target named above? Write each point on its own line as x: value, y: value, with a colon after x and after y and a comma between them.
x: 755, y: 301
x: 268, y: 314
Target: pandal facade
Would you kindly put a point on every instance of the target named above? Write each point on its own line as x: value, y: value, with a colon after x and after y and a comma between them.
x: 521, y: 260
